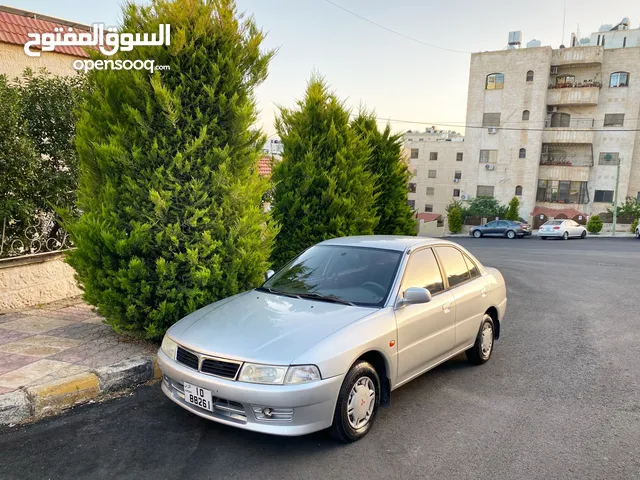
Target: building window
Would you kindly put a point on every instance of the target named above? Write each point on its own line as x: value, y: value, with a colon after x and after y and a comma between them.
x: 456, y: 192
x: 488, y: 156
x: 619, y: 79
x: 484, y: 191
x: 432, y: 173
x: 522, y: 153
x: 433, y: 155
x: 495, y: 81
x: 457, y: 175
x: 525, y: 115
x: 414, y: 152
x: 459, y: 157
x: 565, y: 80
x: 412, y: 203
x: 428, y: 208
x: 431, y: 191
x: 412, y: 188
x: 614, y: 120
x: 491, y: 120
x: 609, y: 158
x: 604, y: 196
x: 421, y: 139
x: 562, y: 191
x: 530, y: 76
x: 559, y: 120
x: 518, y: 190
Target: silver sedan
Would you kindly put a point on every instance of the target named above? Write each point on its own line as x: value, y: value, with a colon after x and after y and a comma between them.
x: 564, y: 229
x: 323, y: 342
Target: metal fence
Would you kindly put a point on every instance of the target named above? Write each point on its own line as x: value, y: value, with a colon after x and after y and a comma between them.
x: 39, y: 235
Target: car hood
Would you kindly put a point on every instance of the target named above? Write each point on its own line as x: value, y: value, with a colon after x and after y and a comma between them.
x: 262, y: 327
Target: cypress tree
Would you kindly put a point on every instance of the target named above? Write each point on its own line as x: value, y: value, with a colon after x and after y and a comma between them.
x: 169, y: 189
x: 392, y: 177
x: 322, y: 186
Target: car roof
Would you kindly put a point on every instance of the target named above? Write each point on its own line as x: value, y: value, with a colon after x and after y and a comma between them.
x: 387, y: 242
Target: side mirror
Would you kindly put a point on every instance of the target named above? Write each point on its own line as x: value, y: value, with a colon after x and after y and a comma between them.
x: 415, y: 295
x: 268, y: 275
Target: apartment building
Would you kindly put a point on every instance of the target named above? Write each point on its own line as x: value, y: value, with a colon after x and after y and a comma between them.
x: 549, y: 126
x: 435, y: 161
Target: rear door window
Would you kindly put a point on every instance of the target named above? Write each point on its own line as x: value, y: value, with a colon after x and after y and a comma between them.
x: 454, y: 265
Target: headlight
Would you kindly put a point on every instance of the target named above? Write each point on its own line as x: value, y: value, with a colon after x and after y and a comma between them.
x: 302, y: 374
x: 169, y: 347
x: 256, y: 373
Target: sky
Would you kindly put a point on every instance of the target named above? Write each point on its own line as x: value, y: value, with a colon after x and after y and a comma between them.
x: 367, y: 65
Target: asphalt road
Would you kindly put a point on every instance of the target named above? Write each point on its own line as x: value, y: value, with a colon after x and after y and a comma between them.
x: 559, y: 399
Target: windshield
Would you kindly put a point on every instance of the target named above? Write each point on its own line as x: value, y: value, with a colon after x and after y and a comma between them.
x: 362, y: 276
x: 554, y: 222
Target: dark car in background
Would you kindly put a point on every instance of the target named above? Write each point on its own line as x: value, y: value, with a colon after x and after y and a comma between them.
x: 501, y: 228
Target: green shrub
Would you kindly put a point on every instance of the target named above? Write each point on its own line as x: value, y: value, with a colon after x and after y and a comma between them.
x: 323, y: 186
x: 594, y: 224
x: 513, y: 212
x: 170, y: 193
x: 455, y: 220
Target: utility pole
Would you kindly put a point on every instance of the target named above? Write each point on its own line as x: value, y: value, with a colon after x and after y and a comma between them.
x: 615, y: 199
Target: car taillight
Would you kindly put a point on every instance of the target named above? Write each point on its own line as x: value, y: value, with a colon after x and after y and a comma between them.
x: 556, y: 228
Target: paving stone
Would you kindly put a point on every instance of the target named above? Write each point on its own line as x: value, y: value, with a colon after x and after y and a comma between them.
x: 82, y: 331
x: 39, y: 346
x: 9, y: 317
x: 31, y: 373
x: 33, y: 324
x: 101, y: 352
x: 4, y: 390
x: 10, y: 362
x: 8, y: 336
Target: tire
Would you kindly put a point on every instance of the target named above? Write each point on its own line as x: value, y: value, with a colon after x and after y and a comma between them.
x: 511, y: 234
x: 543, y: 238
x: 583, y: 235
x: 565, y: 236
x: 477, y: 234
x: 638, y: 234
x: 343, y: 428
x: 478, y: 354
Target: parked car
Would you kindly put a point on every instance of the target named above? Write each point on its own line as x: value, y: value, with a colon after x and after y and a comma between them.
x: 323, y: 342
x: 564, y: 229
x: 638, y: 232
x: 502, y: 228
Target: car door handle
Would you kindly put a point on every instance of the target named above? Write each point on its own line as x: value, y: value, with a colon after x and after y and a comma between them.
x: 447, y: 307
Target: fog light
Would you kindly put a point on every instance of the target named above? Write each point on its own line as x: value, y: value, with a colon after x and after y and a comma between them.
x: 272, y: 413
x: 267, y: 412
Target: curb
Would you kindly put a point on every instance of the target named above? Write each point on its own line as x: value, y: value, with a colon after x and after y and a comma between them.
x: 36, y: 402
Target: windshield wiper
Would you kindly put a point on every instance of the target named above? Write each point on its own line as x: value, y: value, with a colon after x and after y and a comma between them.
x: 277, y: 292
x: 326, y: 298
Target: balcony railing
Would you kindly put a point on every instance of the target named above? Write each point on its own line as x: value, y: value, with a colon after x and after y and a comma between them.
x: 572, y: 123
x: 568, y: 159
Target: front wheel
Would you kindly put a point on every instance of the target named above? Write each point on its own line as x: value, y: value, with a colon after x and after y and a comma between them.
x: 511, y: 234
x: 483, y: 348
x: 638, y: 234
x: 357, y: 403
x: 584, y: 234
x: 477, y: 233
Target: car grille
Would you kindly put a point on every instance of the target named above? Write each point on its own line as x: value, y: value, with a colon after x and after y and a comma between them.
x: 211, y: 366
x: 187, y: 358
x: 219, y: 368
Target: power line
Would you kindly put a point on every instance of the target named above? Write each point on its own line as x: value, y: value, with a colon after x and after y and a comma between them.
x: 394, y: 31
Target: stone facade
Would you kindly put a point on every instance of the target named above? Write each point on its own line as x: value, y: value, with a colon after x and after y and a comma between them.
x: 46, y: 278
x: 14, y: 61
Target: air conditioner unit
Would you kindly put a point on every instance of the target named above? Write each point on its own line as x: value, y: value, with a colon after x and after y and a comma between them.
x: 554, y: 70
x: 456, y: 180
x: 464, y: 196
x: 489, y: 166
x: 493, y: 130
x: 552, y: 109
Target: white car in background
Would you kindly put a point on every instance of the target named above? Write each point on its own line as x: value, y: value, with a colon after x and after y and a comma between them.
x: 638, y: 232
x: 564, y: 229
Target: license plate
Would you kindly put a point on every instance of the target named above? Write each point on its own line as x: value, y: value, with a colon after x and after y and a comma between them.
x: 198, y: 396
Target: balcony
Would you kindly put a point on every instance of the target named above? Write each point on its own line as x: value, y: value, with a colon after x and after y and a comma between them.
x: 577, y: 56
x: 563, y: 129
x: 572, y: 95
x: 567, y: 155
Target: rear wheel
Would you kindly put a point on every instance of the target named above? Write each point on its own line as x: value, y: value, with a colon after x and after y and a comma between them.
x: 511, y: 234
x: 357, y: 403
x: 483, y: 348
x: 565, y: 236
x: 638, y: 233
x: 584, y: 234
x: 477, y: 233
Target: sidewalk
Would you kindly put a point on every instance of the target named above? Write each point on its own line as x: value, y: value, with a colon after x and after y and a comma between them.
x: 62, y: 354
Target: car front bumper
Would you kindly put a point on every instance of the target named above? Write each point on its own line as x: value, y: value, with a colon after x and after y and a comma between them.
x: 311, y: 406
